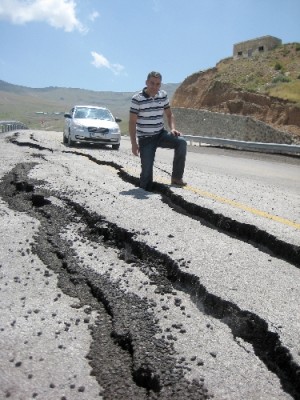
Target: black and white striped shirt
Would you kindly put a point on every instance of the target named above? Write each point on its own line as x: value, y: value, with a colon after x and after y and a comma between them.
x: 149, y: 111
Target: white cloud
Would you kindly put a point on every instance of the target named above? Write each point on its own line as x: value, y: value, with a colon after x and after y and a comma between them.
x: 99, y: 61
x: 93, y: 16
x: 57, y: 13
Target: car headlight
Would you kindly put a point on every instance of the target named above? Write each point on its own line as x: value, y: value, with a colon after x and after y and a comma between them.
x: 115, y: 130
x: 78, y: 127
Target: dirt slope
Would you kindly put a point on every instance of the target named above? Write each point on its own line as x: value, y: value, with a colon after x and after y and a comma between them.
x: 248, y: 87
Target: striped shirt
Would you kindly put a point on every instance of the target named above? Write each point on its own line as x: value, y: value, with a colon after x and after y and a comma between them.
x: 149, y: 111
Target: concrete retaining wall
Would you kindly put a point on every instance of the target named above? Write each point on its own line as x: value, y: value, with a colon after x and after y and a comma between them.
x: 228, y: 126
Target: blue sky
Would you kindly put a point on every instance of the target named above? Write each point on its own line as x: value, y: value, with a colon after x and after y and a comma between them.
x: 111, y: 45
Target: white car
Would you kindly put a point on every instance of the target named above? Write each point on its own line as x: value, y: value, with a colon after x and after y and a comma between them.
x: 91, y: 124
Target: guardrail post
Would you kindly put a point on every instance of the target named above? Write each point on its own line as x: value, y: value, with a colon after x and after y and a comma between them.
x: 6, y: 126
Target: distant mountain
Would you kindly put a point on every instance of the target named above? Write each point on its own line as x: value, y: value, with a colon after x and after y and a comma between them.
x: 44, y: 107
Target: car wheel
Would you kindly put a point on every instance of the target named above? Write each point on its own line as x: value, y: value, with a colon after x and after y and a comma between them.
x: 65, y: 140
x: 116, y: 146
x: 70, y: 141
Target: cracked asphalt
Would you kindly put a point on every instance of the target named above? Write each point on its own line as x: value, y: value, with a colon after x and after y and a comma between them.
x: 111, y: 292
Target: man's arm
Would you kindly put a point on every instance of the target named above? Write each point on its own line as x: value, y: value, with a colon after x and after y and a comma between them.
x: 132, y: 131
x: 171, y: 122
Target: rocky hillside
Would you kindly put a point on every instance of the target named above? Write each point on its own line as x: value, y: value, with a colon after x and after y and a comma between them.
x: 265, y: 87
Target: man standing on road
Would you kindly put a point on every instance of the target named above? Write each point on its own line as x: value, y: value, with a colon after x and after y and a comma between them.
x: 147, y: 132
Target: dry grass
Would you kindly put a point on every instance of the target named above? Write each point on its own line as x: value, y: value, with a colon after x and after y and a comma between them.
x: 288, y: 91
x: 276, y: 73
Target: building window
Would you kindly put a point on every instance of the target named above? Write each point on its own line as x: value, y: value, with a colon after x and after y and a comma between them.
x: 261, y: 48
x: 240, y: 53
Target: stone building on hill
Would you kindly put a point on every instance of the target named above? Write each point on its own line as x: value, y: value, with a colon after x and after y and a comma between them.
x: 255, y: 46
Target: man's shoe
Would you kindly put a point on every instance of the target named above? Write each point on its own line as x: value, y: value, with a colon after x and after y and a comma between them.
x: 178, y: 182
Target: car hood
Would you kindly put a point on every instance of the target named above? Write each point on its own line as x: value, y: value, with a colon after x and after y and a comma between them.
x: 97, y: 123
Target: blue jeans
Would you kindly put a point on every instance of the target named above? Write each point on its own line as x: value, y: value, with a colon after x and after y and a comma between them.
x: 148, y: 146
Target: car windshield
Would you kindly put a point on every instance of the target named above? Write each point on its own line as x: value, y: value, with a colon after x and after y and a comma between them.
x: 93, y: 113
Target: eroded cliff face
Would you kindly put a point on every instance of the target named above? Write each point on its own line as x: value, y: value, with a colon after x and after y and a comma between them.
x: 203, y: 90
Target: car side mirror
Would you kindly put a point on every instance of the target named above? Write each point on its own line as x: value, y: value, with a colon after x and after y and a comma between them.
x: 118, y: 119
x: 67, y: 115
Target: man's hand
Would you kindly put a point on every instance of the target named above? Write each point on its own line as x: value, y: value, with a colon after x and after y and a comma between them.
x: 175, y: 132
x: 132, y: 132
x: 135, y: 149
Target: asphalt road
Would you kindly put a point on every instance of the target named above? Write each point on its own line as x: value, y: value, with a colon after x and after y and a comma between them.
x: 108, y: 291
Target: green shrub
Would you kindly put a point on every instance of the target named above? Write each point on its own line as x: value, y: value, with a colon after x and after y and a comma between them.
x: 278, y: 66
x: 280, y: 78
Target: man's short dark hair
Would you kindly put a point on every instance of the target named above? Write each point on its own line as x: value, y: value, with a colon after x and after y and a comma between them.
x: 154, y: 74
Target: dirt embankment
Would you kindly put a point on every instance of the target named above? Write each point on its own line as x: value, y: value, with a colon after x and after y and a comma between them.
x: 203, y: 90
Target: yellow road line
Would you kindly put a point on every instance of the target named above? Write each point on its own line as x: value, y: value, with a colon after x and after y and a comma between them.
x: 233, y: 203
x: 244, y: 207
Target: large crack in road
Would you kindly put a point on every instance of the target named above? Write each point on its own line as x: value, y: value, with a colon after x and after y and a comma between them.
x: 136, y: 360
x: 127, y: 359
x: 246, y: 232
